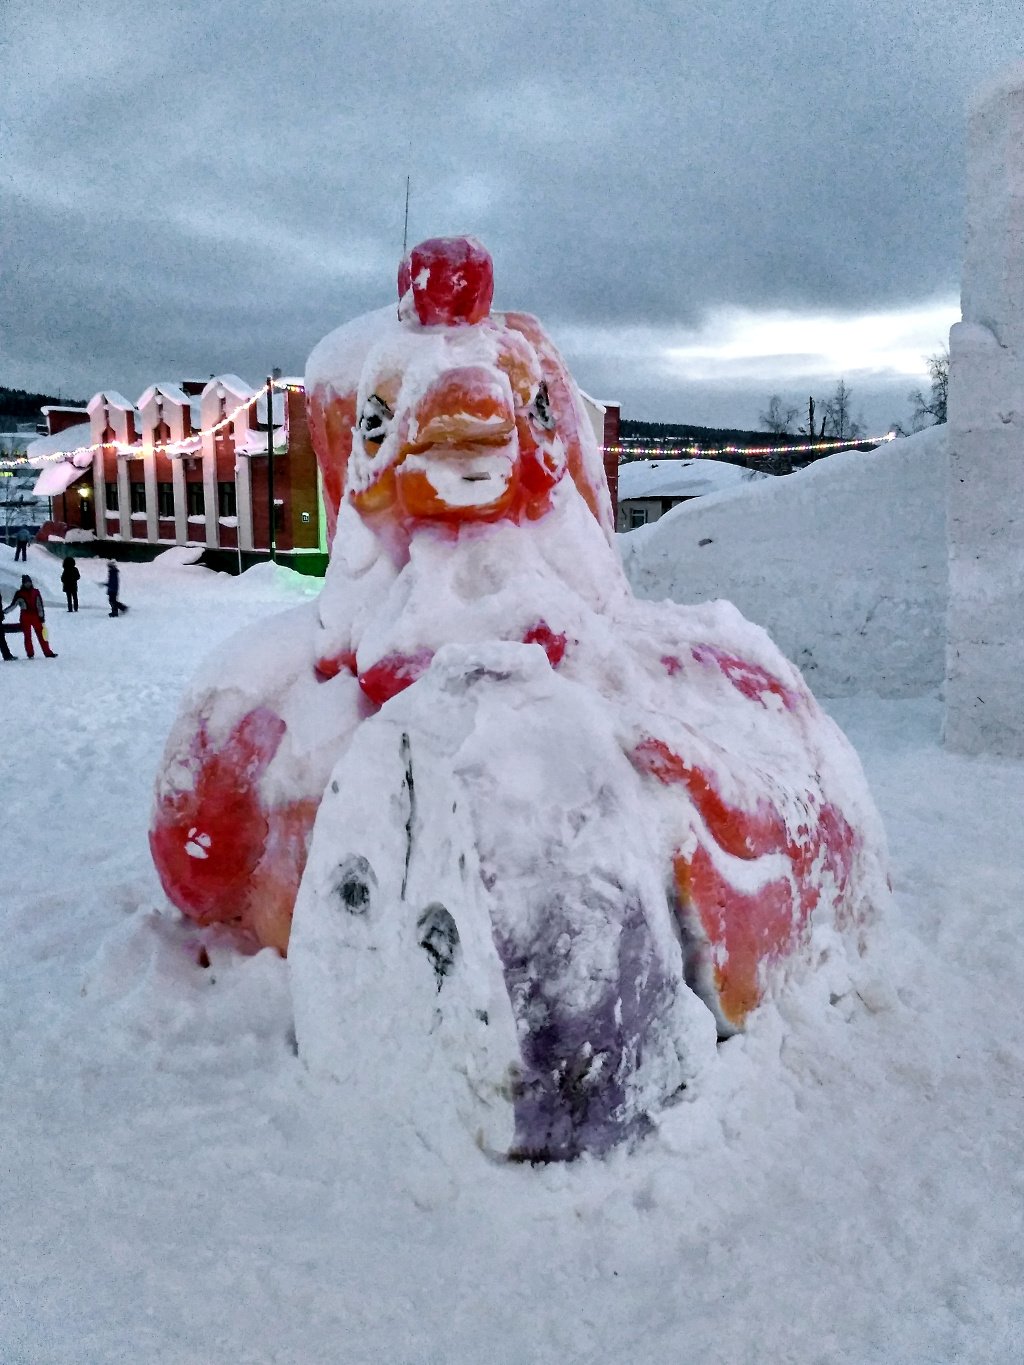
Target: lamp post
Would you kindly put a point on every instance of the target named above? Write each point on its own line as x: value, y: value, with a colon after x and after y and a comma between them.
x: 274, y: 374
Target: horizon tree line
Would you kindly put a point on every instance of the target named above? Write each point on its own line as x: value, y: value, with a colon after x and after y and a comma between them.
x: 834, y: 420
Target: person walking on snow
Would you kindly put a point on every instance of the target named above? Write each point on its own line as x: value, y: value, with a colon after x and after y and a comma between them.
x: 69, y: 577
x: 113, y: 588
x: 33, y: 617
x: 21, y: 547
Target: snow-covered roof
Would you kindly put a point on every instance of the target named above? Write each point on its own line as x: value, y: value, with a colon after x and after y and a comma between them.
x: 679, y: 478
x: 230, y: 383
x: 109, y: 398
x: 603, y: 404
x: 171, y: 391
x: 57, y: 478
x: 62, y: 442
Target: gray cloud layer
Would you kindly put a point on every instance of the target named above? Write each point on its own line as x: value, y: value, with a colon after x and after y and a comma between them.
x: 215, y: 187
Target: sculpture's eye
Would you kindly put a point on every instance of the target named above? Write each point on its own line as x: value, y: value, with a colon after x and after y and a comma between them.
x: 374, y: 421
x: 354, y: 884
x: 541, y: 410
x: 438, y: 936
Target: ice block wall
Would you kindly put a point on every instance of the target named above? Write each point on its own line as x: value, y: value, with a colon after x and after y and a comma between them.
x: 985, y: 649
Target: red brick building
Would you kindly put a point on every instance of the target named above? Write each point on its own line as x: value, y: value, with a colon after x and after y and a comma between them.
x: 604, y: 420
x: 188, y: 464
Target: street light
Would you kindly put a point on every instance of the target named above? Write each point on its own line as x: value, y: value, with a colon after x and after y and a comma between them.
x: 274, y: 375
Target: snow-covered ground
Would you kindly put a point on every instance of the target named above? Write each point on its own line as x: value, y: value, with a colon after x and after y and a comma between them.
x: 847, y: 1186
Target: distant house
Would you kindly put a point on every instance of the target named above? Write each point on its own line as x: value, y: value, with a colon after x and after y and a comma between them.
x: 187, y: 464
x: 650, y: 488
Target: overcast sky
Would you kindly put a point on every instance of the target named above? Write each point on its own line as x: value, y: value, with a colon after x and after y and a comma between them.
x: 705, y: 203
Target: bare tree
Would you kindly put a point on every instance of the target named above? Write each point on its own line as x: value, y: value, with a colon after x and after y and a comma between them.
x: 931, y: 411
x: 778, y: 419
x: 809, y: 430
x: 838, y: 420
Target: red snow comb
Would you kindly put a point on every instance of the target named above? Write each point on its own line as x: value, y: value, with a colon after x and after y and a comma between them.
x: 452, y: 281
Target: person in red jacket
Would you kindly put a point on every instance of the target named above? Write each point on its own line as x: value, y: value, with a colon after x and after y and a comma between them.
x: 33, y: 616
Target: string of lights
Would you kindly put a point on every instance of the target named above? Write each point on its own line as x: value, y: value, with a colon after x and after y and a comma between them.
x: 686, y: 451
x: 193, y: 441
x: 187, y: 445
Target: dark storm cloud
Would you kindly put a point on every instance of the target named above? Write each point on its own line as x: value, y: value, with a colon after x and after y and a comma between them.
x: 216, y: 187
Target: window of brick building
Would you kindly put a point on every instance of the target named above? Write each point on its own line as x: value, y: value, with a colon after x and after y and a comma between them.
x: 196, y: 499
x: 227, y: 504
x: 110, y: 493
x: 165, y: 500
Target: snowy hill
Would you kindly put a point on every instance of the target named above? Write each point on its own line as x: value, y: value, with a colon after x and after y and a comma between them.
x: 844, y: 564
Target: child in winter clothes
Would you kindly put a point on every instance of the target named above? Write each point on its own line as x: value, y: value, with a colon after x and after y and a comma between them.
x: 113, y: 588
x: 69, y: 577
x: 33, y: 617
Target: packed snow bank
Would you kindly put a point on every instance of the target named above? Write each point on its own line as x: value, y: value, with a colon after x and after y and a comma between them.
x: 844, y: 564
x: 267, y: 578
x: 178, y: 555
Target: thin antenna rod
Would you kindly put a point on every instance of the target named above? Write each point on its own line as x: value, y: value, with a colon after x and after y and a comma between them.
x: 405, y: 230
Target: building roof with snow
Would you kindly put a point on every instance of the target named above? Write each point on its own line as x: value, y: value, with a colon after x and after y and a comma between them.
x: 57, y: 474
x: 228, y: 384
x: 43, y: 449
x: 165, y: 389
x: 109, y: 398
x: 680, y: 478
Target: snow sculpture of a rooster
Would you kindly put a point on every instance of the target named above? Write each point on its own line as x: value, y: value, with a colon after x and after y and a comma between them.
x: 542, y: 840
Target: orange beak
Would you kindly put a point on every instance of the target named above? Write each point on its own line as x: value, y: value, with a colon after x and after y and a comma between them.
x: 468, y: 406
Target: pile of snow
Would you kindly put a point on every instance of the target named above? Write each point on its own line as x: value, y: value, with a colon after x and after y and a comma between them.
x: 844, y: 564
x: 269, y: 579
x: 177, y: 556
